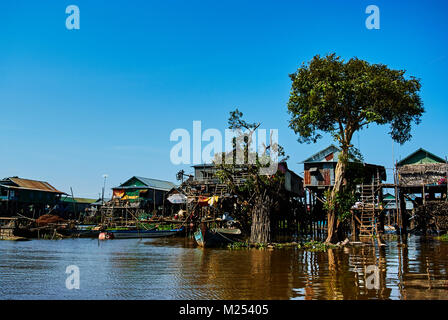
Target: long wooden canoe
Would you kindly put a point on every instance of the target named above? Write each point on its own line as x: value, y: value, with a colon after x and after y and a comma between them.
x: 135, y: 234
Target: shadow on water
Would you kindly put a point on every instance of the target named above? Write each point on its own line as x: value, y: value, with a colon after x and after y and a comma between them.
x: 175, y: 268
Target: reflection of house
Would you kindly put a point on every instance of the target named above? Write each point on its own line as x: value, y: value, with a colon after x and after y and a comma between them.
x: 423, y: 172
x: 320, y: 169
x: 144, y: 190
x: 30, y: 197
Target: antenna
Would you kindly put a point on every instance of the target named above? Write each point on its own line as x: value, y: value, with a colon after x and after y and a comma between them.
x: 104, y: 187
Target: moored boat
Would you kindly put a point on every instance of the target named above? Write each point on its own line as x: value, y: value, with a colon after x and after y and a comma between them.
x: 137, y: 233
x: 217, y: 237
x: 82, y: 231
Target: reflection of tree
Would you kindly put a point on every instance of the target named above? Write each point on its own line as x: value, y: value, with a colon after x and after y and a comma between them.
x: 333, y: 276
x: 347, y: 276
x: 384, y: 292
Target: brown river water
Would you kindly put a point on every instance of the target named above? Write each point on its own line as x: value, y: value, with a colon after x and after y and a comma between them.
x: 175, y: 268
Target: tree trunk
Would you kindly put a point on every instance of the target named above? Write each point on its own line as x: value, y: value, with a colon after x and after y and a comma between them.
x: 332, y: 235
x: 261, y: 220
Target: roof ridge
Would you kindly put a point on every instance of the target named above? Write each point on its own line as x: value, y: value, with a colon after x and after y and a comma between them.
x: 152, y: 179
x: 28, y: 179
x: 317, y: 153
x: 418, y: 150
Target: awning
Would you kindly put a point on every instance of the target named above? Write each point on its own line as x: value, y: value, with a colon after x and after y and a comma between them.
x: 177, y: 198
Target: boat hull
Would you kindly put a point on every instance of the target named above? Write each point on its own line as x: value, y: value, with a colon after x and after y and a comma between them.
x: 215, y: 238
x: 137, y: 234
x: 81, y: 233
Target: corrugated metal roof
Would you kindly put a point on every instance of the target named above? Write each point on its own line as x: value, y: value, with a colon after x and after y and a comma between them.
x: 154, y: 183
x: 30, y: 184
x: 424, y: 153
x: 78, y: 200
x: 321, y: 155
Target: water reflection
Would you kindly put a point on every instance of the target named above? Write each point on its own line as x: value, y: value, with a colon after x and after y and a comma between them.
x: 414, y: 268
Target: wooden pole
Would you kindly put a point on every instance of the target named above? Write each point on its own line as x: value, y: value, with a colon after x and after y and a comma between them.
x: 446, y: 177
x: 381, y: 215
x: 397, y: 215
x: 423, y: 194
x: 403, y: 213
x: 301, y: 223
x: 74, y: 205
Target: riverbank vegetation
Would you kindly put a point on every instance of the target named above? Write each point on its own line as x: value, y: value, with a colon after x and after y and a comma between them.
x: 443, y: 237
x: 315, y: 246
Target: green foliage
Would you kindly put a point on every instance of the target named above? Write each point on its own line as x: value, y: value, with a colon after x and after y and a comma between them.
x: 355, y: 155
x: 329, y: 95
x: 144, y: 225
x: 232, y: 168
x: 238, y: 245
x: 117, y: 228
x: 316, y: 246
x: 168, y: 226
x: 443, y: 237
x: 246, y: 245
x: 341, y: 204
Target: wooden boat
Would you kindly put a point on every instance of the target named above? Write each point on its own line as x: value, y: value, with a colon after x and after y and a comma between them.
x: 217, y: 237
x: 137, y: 233
x: 81, y: 231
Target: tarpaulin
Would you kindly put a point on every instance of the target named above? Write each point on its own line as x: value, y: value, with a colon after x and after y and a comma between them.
x: 213, y: 201
x: 177, y: 198
x: 118, y: 193
x: 203, y: 201
x: 208, y: 201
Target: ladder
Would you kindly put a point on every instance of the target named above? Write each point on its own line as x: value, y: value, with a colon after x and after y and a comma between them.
x: 367, y: 228
x: 220, y: 189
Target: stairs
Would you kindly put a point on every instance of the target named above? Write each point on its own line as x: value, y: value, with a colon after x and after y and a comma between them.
x: 367, y: 227
x: 220, y: 189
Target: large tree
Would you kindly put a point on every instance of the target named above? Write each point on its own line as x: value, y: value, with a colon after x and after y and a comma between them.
x: 330, y: 95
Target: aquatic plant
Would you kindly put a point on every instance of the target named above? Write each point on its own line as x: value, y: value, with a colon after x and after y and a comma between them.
x: 316, y: 246
x: 443, y: 237
x: 238, y: 245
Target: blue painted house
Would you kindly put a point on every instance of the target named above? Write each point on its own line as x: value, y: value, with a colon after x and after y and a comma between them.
x: 319, y: 169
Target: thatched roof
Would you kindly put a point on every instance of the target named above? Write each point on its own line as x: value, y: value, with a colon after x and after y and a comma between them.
x: 419, y: 174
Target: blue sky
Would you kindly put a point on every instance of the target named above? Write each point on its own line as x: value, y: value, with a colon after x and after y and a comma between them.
x: 77, y: 104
